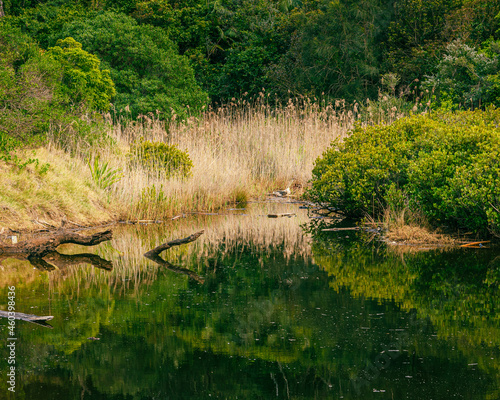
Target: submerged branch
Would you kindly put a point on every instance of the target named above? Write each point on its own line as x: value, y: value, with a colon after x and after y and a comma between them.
x: 154, y: 255
x: 35, y: 319
x: 157, y: 259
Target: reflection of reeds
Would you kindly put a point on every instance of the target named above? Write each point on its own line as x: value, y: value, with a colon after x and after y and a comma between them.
x: 224, y: 234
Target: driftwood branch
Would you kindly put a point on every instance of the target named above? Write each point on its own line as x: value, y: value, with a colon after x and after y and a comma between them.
x: 154, y: 255
x: 42, y: 246
x: 36, y: 319
x: 172, y: 243
x: 352, y: 228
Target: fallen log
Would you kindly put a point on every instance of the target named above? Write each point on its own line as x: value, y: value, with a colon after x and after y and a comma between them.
x: 280, y: 215
x: 154, y: 255
x: 353, y: 228
x: 35, y: 319
x: 41, y: 246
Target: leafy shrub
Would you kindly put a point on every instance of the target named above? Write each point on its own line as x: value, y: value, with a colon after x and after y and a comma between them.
x: 84, y: 84
x: 162, y: 157
x: 446, y: 166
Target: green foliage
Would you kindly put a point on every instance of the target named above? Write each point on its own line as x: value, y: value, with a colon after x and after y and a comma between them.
x: 334, y: 50
x: 161, y: 53
x: 144, y: 64
x: 102, y: 174
x: 45, y: 92
x: 157, y: 156
x: 26, y: 82
x: 444, y: 165
x: 465, y: 78
x: 231, y: 44
x: 84, y: 84
x: 41, y: 20
x: 415, y: 36
x: 152, y: 195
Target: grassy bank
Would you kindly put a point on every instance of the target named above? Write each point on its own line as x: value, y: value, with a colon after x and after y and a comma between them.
x: 238, y: 151
x: 59, y: 187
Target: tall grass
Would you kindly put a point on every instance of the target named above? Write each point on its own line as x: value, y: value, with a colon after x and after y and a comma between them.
x: 239, y: 150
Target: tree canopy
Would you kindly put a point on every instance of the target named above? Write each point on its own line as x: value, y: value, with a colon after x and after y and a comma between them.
x: 167, y: 55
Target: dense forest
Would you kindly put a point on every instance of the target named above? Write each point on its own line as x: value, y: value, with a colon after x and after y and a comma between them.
x: 166, y: 55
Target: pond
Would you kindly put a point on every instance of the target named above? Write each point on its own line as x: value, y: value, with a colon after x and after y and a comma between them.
x: 270, y: 309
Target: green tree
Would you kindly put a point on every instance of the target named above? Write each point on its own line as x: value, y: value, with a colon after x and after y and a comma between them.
x: 416, y: 36
x: 84, y: 85
x: 231, y: 44
x: 26, y: 91
x: 334, y: 48
x: 42, y: 90
x: 466, y: 78
x: 144, y: 64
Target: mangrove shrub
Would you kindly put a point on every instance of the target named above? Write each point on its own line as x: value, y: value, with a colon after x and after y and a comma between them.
x: 445, y: 166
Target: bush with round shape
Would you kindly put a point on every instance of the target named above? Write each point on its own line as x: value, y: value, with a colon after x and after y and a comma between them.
x: 161, y: 157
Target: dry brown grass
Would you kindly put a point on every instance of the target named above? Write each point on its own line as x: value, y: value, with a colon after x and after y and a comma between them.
x: 411, y: 228
x: 239, y: 151
x: 417, y: 235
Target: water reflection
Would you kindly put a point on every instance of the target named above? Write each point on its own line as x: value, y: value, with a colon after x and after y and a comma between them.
x: 55, y: 260
x: 279, y: 314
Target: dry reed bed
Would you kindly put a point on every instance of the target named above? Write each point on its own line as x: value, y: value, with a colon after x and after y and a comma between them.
x: 239, y: 151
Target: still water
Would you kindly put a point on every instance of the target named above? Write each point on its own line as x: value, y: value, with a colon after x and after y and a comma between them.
x: 268, y: 310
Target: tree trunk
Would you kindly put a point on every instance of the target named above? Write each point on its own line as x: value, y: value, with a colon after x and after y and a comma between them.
x: 2, y: 14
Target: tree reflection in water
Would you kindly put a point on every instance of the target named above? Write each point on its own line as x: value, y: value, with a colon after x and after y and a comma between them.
x: 279, y: 314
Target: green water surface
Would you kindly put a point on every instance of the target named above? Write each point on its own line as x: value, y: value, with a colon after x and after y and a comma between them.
x: 270, y: 311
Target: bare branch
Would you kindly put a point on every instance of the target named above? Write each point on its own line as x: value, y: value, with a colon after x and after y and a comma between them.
x: 165, y: 246
x: 154, y: 255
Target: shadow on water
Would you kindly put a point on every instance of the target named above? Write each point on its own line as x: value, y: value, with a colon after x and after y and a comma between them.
x: 276, y: 313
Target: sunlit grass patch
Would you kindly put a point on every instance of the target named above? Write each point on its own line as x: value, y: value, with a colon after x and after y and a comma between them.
x: 62, y: 190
